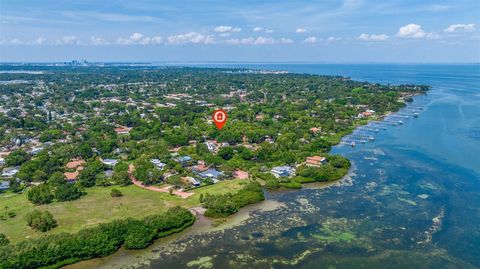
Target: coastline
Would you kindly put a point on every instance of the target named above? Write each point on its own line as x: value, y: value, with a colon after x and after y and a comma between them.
x: 204, y: 225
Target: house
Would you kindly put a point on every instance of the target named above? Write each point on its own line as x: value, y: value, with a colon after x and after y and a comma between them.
x: 315, y: 161
x: 315, y: 130
x: 71, y: 176
x: 184, y: 160
x: 211, y: 173
x: 35, y: 151
x: 4, y: 185
x: 167, y: 175
x: 367, y: 113
x: 109, y: 173
x: 122, y: 130
x: 240, y: 174
x: 191, y: 180
x: 10, y: 171
x: 158, y: 164
x: 2, y: 161
x: 212, y: 145
x: 109, y: 162
x: 201, y: 167
x: 75, y: 164
x: 282, y: 171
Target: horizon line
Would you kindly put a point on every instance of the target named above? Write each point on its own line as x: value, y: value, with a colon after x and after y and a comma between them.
x: 226, y: 62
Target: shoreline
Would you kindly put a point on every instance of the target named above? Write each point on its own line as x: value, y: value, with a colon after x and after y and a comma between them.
x: 204, y: 224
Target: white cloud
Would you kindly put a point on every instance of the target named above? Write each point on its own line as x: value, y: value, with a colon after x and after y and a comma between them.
x: 97, y: 41
x: 262, y: 29
x: 156, y: 40
x: 261, y: 40
x: 332, y: 39
x: 210, y: 40
x: 373, y: 37
x: 67, y: 40
x: 310, y: 40
x: 39, y: 41
x: 285, y: 40
x: 227, y: 29
x: 460, y: 28
x: 414, y: 31
x: 134, y: 39
x: 16, y: 41
x: 192, y: 37
x: 301, y: 30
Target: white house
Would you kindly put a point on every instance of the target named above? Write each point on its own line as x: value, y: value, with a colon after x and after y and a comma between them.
x: 282, y: 171
x: 35, y: 151
x: 10, y: 171
x: 109, y: 162
x: 212, y: 147
x: 158, y: 164
x: 192, y: 180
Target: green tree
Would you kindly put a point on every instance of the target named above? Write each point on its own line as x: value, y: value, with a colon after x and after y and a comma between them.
x: 41, y: 221
x: 67, y: 192
x: 116, y: 193
x: 17, y: 157
x: 41, y: 194
x: 226, y: 153
x: 3, y: 240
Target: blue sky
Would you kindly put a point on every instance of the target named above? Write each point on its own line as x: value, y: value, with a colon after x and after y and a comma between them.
x: 258, y: 31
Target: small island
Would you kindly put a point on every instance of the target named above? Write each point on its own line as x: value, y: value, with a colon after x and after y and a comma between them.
x: 99, y: 157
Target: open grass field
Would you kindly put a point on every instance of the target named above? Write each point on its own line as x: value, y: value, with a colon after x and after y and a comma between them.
x: 97, y: 206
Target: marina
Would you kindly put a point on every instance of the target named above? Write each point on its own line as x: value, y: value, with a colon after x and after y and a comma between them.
x: 364, y: 134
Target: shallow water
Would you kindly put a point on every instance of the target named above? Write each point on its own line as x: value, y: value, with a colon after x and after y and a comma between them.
x: 412, y: 202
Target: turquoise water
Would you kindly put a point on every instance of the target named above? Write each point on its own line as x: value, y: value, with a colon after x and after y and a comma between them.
x: 412, y: 202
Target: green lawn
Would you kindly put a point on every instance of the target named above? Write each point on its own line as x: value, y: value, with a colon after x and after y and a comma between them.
x: 98, y: 206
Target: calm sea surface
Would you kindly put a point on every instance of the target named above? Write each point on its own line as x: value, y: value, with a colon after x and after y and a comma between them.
x: 413, y: 200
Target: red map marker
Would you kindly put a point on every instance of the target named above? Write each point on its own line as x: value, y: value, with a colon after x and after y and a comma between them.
x: 220, y: 118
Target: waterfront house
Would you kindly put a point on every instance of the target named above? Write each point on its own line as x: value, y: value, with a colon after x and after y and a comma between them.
x: 191, y: 180
x: 315, y: 161
x: 211, y: 173
x: 282, y: 171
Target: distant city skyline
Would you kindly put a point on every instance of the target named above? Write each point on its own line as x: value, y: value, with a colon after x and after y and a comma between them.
x: 348, y: 31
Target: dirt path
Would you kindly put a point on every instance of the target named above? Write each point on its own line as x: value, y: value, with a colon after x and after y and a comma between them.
x: 153, y: 188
